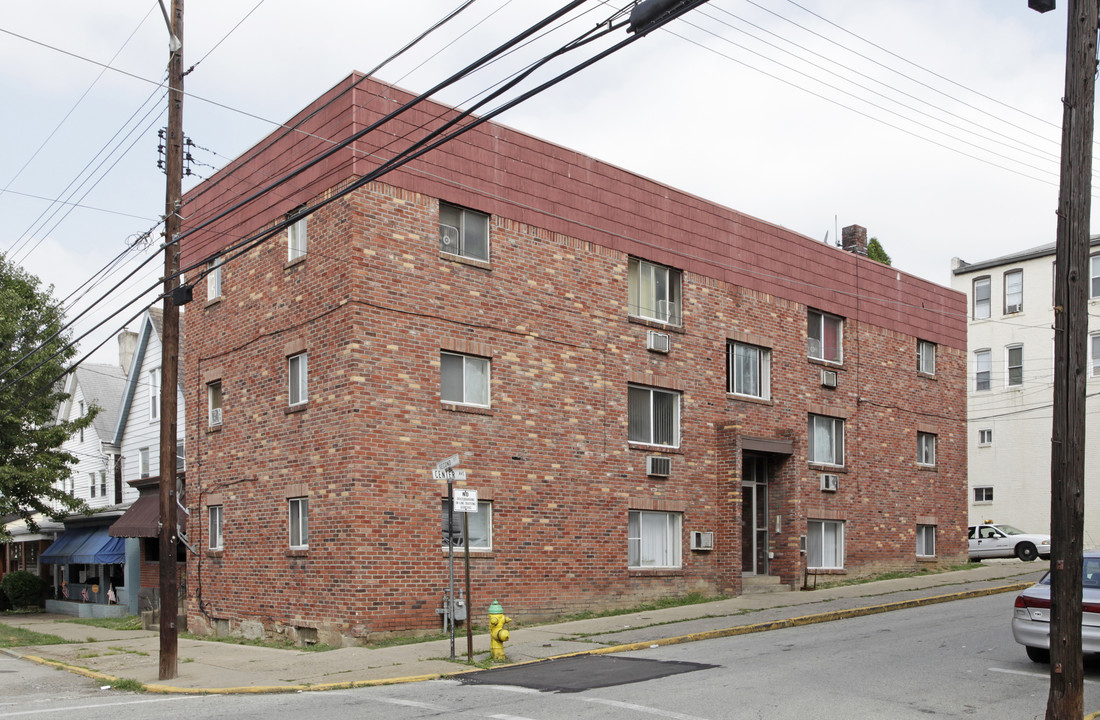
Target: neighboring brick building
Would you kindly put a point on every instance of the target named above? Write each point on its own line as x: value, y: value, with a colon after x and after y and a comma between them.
x: 509, y: 300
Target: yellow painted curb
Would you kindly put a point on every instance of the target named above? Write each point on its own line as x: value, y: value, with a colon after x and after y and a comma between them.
x: 676, y: 640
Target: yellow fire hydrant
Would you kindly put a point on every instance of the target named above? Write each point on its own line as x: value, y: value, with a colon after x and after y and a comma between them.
x: 497, y: 634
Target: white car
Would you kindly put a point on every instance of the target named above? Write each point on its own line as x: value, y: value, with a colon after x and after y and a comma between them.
x: 1031, y: 614
x: 1005, y: 541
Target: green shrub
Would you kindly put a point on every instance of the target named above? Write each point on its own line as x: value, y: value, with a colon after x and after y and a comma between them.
x: 23, y: 589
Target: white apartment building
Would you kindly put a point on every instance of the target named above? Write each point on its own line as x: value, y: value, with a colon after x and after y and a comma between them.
x: 1010, y: 394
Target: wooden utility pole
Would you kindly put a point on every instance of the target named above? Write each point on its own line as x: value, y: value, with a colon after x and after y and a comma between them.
x: 169, y: 365
x: 1067, y: 456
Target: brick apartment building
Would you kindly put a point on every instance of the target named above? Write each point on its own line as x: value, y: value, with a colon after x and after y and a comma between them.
x: 652, y: 394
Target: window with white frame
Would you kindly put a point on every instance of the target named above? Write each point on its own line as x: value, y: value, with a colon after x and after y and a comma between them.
x: 480, y: 525
x: 825, y: 544
x: 985, y: 437
x: 1014, y: 363
x: 1094, y: 355
x: 926, y: 540
x: 298, y: 379
x: 1094, y: 276
x: 825, y: 333
x: 214, y: 279
x: 181, y: 457
x: 296, y: 238
x: 926, y: 448
x: 983, y: 494
x: 143, y: 462
x: 299, y: 522
x: 654, y: 291
x: 826, y: 440
x: 215, y: 535
x: 983, y: 369
x: 982, y: 295
x: 653, y: 416
x: 748, y: 370
x: 102, y: 483
x: 463, y: 232
x: 154, y: 394
x: 653, y: 539
x: 464, y: 379
x: 1014, y: 291
x: 214, y: 403
x: 926, y: 357
x: 91, y: 484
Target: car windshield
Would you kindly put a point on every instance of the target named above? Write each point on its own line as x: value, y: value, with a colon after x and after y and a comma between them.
x: 1090, y: 574
x: 1009, y: 530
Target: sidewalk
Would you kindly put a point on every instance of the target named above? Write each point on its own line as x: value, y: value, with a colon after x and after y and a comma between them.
x: 217, y: 667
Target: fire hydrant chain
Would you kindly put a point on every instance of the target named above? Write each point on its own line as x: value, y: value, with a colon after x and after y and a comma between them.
x: 497, y: 634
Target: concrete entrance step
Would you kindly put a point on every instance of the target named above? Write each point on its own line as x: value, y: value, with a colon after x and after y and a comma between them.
x: 758, y: 584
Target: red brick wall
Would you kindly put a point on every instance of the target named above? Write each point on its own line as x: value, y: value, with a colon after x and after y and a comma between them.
x: 374, y: 303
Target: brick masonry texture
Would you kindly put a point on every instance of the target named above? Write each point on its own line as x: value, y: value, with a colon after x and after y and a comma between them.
x: 375, y: 301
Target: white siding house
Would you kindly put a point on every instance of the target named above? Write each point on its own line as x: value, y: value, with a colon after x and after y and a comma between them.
x: 1010, y: 394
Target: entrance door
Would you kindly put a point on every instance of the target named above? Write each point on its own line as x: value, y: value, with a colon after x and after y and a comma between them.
x: 754, y: 515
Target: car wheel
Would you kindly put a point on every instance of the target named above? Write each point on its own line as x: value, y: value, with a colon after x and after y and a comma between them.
x: 1039, y: 655
x: 1026, y: 552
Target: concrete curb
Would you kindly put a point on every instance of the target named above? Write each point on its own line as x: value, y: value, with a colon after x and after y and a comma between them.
x: 675, y: 640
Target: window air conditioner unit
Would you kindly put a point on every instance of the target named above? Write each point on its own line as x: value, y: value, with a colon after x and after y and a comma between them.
x: 1009, y: 309
x: 449, y: 239
x: 658, y: 466
x: 215, y: 416
x: 702, y: 540
x: 658, y: 341
x: 829, y: 482
x: 828, y: 378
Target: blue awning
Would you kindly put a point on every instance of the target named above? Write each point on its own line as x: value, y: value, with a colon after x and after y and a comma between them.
x: 62, y: 548
x: 100, y: 548
x: 91, y: 546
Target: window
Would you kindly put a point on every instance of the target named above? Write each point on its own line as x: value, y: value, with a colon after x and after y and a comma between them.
x: 654, y: 292
x: 215, y: 536
x: 983, y: 369
x: 463, y: 232
x: 926, y: 448
x: 983, y: 494
x: 214, y: 279
x: 154, y: 394
x: 298, y: 375
x: 985, y: 436
x: 748, y: 370
x: 653, y: 539
x: 181, y: 456
x: 464, y: 379
x: 91, y: 483
x: 1014, y: 291
x: 214, y: 403
x: 1094, y: 276
x: 825, y: 333
x: 296, y: 238
x: 1094, y: 355
x: 653, y: 416
x: 1014, y: 360
x: 299, y: 522
x: 143, y: 462
x: 479, y: 523
x: 81, y: 415
x: 926, y: 540
x: 981, y: 298
x: 102, y: 484
x: 825, y: 544
x: 826, y: 439
x: 926, y: 357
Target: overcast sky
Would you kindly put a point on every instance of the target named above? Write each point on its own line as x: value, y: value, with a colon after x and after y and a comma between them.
x: 934, y: 124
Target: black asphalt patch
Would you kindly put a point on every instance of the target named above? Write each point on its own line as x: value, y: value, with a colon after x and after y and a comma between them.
x: 582, y: 672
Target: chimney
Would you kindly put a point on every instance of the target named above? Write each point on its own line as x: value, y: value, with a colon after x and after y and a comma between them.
x: 127, y: 344
x: 854, y: 239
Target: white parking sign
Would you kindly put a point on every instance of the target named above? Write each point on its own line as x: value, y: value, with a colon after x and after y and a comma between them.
x: 465, y: 501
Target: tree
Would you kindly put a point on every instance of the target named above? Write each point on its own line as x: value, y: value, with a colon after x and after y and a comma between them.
x: 32, y: 463
x: 876, y: 253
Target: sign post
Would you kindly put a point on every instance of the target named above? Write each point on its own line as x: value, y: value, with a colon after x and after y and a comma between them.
x: 444, y: 470
x: 466, y: 503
